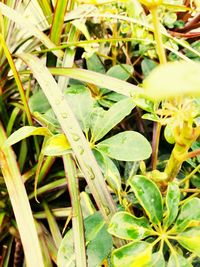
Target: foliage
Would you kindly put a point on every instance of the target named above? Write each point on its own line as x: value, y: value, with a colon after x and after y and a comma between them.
x: 99, y: 133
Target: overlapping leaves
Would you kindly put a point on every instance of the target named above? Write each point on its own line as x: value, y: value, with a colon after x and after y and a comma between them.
x: 157, y: 225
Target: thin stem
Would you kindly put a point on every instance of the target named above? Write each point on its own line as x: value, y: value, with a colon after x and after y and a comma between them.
x: 170, y: 246
x: 161, y: 245
x: 77, y: 219
x: 192, y: 154
x: 190, y: 175
x: 156, y: 241
x: 155, y: 143
x: 158, y: 36
x: 188, y: 198
x: 162, y: 58
x: 190, y: 190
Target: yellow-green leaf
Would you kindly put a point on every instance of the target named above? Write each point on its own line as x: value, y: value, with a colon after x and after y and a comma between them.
x: 149, y: 197
x: 57, y: 145
x: 173, y: 79
x: 127, y: 226
x: 190, y: 213
x: 190, y: 239
x: 132, y: 255
x: 25, y: 132
x: 172, y: 202
x: 177, y: 260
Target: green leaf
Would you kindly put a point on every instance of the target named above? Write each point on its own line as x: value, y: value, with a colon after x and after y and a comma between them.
x: 38, y: 102
x: 172, y: 202
x: 122, y: 72
x: 111, y: 118
x: 25, y: 132
x: 127, y: 226
x: 147, y: 66
x: 173, y: 79
x: 149, y: 197
x: 132, y: 255
x: 81, y: 103
x: 158, y: 260
x: 190, y: 239
x: 56, y: 145
x: 177, y: 260
x: 99, y: 241
x: 109, y: 169
x: 126, y: 146
x: 190, y: 213
x: 66, y: 256
x: 94, y: 63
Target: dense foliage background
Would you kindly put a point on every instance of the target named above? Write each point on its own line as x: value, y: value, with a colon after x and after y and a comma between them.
x: 99, y: 133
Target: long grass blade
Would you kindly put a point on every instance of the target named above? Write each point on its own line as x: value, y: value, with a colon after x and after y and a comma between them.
x: 99, y: 79
x: 58, y: 20
x: 77, y: 219
x: 53, y: 226
x: 20, y: 204
x: 17, y: 78
x: 29, y: 27
x: 74, y: 134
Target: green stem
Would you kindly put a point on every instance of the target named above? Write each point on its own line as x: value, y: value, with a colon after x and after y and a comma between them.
x: 158, y: 36
x: 188, y: 198
x: 162, y: 58
x: 190, y: 190
x: 185, y: 137
x: 192, y: 154
x: 155, y: 143
x: 190, y: 175
x: 77, y: 219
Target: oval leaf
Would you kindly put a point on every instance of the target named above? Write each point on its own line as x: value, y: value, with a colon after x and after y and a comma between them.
x: 172, y: 202
x: 25, y: 132
x: 99, y: 241
x: 126, y: 146
x: 177, y: 260
x: 190, y: 239
x: 66, y: 255
x: 190, y: 213
x: 81, y: 103
x: 56, y: 145
x: 110, y: 171
x: 173, y: 79
x: 111, y: 118
x: 149, y: 197
x: 132, y: 255
x: 158, y: 260
x: 122, y: 71
x: 129, y: 227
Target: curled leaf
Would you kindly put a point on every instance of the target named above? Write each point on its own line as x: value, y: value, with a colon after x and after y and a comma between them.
x: 25, y: 132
